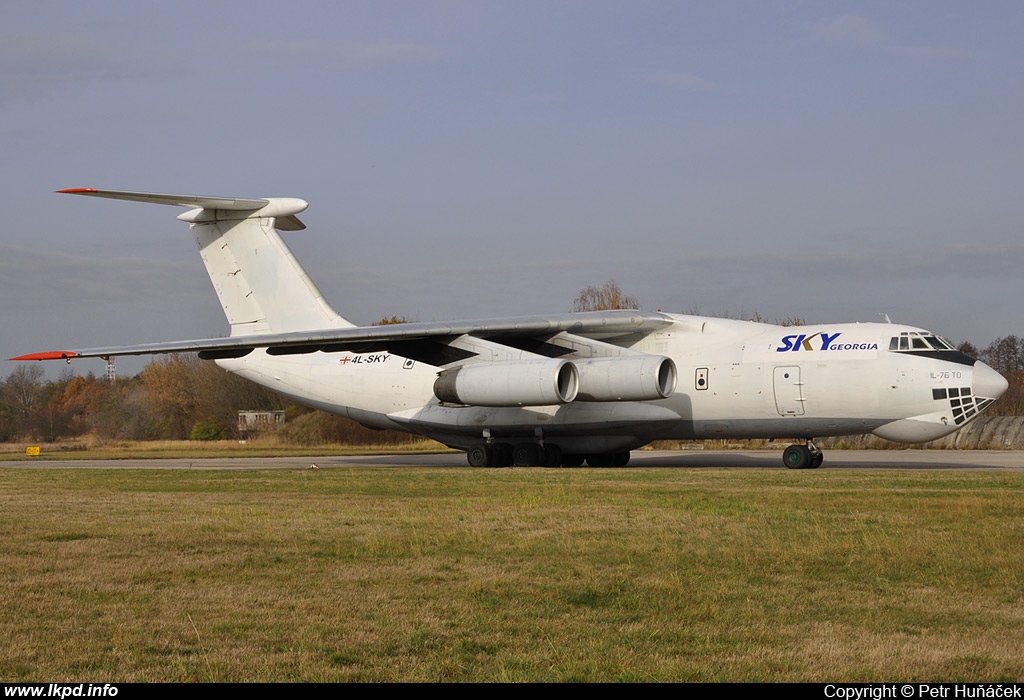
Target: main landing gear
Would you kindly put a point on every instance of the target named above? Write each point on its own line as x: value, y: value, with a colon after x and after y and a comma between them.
x: 803, y: 456
x: 534, y: 454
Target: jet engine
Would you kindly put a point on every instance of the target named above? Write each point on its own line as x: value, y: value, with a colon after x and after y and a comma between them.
x: 631, y: 378
x: 527, y: 383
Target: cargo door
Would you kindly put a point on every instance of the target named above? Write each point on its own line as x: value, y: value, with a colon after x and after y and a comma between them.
x: 789, y: 391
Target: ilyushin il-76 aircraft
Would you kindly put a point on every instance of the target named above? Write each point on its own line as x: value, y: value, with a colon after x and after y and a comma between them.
x: 560, y: 389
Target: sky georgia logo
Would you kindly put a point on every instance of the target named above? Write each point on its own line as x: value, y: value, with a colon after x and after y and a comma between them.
x: 820, y: 341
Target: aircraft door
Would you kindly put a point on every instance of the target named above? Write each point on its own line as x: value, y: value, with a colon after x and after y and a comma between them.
x: 789, y: 391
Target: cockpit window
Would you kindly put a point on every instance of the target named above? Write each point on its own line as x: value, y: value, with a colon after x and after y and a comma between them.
x: 909, y: 340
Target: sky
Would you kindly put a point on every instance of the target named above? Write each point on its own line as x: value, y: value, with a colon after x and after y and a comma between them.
x: 829, y: 161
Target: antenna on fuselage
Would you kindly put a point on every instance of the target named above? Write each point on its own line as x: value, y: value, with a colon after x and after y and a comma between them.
x: 886, y: 317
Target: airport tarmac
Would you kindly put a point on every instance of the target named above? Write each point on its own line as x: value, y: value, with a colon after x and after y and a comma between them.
x: 740, y: 459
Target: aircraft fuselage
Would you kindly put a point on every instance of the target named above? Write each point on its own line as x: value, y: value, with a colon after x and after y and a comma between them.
x: 736, y: 379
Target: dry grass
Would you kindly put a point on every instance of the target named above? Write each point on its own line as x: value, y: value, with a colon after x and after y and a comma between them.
x: 514, y: 575
x: 269, y: 446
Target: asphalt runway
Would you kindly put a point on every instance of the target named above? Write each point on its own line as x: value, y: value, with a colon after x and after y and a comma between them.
x: 716, y: 459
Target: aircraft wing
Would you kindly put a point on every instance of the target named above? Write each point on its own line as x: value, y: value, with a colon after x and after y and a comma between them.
x: 434, y: 342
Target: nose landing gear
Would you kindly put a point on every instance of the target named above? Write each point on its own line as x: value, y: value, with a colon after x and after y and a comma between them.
x: 803, y: 456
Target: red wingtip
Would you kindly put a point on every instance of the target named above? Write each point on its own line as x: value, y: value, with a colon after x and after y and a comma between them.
x: 52, y: 355
x: 77, y: 190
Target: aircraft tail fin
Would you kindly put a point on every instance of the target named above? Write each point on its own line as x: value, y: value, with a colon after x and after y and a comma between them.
x: 261, y: 286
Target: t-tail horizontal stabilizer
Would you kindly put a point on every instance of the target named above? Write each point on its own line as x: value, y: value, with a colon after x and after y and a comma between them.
x: 261, y: 286
x: 283, y: 209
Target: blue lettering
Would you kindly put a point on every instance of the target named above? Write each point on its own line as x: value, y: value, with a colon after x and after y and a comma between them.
x: 793, y: 343
x: 827, y: 339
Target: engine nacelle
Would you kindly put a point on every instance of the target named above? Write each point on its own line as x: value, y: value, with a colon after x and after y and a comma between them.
x: 630, y: 378
x: 527, y: 383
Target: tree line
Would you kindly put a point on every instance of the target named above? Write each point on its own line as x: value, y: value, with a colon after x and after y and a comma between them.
x: 175, y: 397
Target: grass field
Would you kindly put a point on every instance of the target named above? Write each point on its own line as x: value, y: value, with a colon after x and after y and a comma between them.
x: 511, y: 575
x: 212, y: 449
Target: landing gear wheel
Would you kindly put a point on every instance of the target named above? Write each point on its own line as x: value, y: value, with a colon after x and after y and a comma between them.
x: 526, y: 454
x: 816, y: 459
x: 797, y: 457
x: 480, y: 455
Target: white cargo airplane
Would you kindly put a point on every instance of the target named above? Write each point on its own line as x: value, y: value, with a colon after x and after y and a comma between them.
x: 564, y: 388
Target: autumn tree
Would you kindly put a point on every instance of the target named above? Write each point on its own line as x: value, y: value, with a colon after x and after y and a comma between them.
x: 1006, y: 356
x: 390, y: 321
x: 22, y: 396
x: 969, y: 348
x: 126, y: 413
x: 73, y: 403
x: 608, y: 296
x: 189, y: 392
x: 23, y: 388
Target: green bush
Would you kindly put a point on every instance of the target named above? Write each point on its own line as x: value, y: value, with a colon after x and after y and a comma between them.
x: 208, y: 430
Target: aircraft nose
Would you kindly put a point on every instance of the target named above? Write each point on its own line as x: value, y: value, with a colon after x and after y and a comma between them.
x: 988, y: 384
